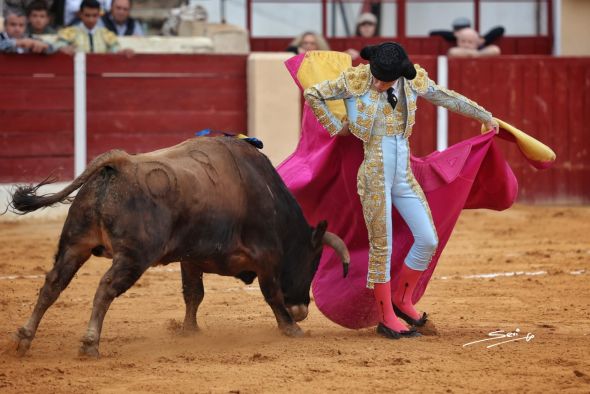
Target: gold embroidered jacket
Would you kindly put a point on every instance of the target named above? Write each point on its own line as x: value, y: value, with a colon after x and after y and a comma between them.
x: 369, y: 112
x: 103, y: 40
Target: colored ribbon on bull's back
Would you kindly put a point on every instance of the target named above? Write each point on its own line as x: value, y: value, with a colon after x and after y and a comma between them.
x: 321, y: 173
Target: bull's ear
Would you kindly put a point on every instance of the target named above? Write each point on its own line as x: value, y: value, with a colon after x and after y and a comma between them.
x: 318, y: 234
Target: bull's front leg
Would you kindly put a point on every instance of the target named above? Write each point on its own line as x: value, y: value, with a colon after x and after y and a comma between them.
x: 193, y: 293
x: 271, y: 289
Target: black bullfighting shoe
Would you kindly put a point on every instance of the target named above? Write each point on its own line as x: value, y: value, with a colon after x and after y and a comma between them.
x: 416, y: 323
x: 387, y: 332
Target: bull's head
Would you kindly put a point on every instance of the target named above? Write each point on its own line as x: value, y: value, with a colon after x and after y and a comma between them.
x: 296, y: 282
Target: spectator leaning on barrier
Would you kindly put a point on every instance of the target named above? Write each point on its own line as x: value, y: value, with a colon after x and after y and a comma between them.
x: 38, y: 18
x: 461, y: 23
x: 469, y: 45
x: 14, y: 39
x: 308, y: 41
x: 88, y: 36
x: 118, y: 20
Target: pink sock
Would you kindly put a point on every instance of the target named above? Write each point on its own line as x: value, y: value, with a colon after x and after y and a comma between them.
x: 387, y: 316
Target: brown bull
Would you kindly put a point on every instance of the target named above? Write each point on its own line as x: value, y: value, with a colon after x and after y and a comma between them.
x: 215, y: 205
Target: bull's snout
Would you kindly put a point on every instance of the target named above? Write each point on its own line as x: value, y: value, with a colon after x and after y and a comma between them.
x: 298, y: 312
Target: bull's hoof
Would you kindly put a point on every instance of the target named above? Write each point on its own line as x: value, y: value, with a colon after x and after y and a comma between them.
x: 89, y: 348
x: 88, y: 351
x: 189, y: 329
x: 293, y: 331
x: 22, y: 347
x: 22, y: 339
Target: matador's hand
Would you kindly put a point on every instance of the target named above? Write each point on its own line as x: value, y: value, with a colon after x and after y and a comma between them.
x: 493, y: 124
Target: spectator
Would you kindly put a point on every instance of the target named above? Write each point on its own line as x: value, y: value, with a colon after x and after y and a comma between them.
x: 308, y: 41
x: 14, y: 39
x: 366, y: 27
x: 88, y: 36
x: 118, y: 20
x: 469, y: 45
x: 38, y: 17
x: 461, y: 23
x: 65, y: 11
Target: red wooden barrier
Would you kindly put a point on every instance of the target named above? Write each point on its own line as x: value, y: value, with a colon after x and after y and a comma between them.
x: 137, y: 104
x: 547, y: 97
x: 538, y: 45
x: 148, y: 102
x: 152, y: 101
x: 36, y: 117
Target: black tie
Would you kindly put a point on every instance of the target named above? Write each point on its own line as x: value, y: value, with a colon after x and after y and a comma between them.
x: 391, y: 98
x: 91, y: 39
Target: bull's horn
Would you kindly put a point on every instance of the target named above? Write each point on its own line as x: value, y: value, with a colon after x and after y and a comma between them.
x: 339, y: 246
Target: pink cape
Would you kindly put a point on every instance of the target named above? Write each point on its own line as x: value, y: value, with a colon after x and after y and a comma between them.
x: 321, y: 174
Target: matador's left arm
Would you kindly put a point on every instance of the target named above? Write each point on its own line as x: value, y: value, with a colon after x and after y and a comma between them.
x: 453, y: 101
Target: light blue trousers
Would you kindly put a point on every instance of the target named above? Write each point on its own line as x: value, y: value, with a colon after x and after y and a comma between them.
x: 403, y: 192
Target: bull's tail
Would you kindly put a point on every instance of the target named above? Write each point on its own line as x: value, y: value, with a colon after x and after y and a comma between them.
x: 25, y: 198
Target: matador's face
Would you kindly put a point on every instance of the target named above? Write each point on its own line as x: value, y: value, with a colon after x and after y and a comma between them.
x: 382, y: 86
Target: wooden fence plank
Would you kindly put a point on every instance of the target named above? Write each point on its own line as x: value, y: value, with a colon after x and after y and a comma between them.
x: 36, y: 144
x: 28, y: 121
x: 432, y: 46
x: 34, y: 169
x: 19, y: 65
x: 133, y: 143
x: 151, y: 122
x: 152, y: 63
x: 29, y: 98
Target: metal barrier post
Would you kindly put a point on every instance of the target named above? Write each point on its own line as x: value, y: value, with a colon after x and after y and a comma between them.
x: 442, y: 116
x: 79, y: 113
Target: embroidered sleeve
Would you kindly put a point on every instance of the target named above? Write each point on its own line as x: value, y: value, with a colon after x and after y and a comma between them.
x: 110, y: 40
x: 68, y: 35
x: 447, y: 98
x: 65, y: 37
x: 316, y: 97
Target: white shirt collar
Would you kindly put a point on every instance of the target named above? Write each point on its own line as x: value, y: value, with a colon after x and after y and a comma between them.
x: 86, y: 30
x: 395, y: 86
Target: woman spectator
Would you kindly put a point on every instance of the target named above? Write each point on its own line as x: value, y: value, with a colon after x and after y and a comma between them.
x: 308, y: 41
x: 366, y: 27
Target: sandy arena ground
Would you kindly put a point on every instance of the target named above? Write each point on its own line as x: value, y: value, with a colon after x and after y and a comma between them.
x: 240, y: 350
